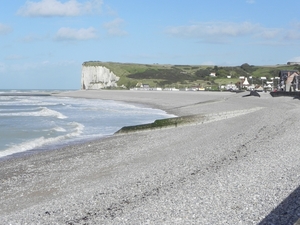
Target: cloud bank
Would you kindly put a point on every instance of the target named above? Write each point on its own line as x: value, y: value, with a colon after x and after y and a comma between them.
x: 213, y: 31
x: 4, y: 29
x: 222, y: 31
x: 70, y: 34
x: 114, y: 27
x: 295, y: 59
x: 50, y: 8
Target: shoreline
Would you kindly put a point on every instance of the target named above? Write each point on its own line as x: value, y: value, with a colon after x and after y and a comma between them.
x: 229, y: 169
x: 56, y: 145
x: 168, y: 101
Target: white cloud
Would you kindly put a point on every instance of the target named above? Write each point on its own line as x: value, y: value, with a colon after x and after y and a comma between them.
x: 2, y: 67
x: 208, y: 63
x: 292, y: 35
x: 214, y: 30
x: 48, y: 8
x: 269, y: 33
x: 250, y: 1
x: 14, y: 57
x: 114, y: 27
x: 293, y: 32
x: 111, y: 12
x: 29, y: 66
x: 65, y: 34
x: 223, y: 32
x: 4, y: 29
x: 32, y: 38
x: 295, y: 59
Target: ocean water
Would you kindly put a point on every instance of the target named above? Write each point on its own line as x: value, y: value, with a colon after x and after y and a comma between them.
x: 35, y: 122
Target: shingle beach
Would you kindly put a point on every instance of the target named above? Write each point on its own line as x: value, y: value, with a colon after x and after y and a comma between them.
x: 239, y: 163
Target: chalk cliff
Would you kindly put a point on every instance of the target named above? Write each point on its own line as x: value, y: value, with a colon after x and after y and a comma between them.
x: 97, y: 77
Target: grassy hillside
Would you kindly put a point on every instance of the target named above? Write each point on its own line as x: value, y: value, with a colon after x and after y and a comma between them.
x: 181, y: 76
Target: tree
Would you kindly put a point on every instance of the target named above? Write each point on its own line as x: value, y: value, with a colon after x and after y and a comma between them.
x: 245, y: 67
x: 203, y: 74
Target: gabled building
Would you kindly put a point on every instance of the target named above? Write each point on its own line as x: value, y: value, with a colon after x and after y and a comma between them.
x: 289, y: 80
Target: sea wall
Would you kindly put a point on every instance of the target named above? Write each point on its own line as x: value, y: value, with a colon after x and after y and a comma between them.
x: 97, y: 77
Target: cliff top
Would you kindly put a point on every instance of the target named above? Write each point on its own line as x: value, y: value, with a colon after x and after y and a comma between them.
x: 181, y: 76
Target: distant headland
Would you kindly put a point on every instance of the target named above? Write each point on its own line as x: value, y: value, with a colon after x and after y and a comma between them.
x: 114, y: 75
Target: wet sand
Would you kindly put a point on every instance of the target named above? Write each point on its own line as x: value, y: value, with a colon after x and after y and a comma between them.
x: 238, y: 166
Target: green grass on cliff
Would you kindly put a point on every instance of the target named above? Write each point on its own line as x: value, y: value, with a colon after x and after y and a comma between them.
x: 181, y: 76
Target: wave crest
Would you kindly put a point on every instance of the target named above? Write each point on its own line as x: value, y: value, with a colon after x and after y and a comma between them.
x: 77, y: 130
x: 43, y: 111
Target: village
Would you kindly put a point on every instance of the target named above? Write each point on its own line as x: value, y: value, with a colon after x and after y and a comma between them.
x: 287, y: 81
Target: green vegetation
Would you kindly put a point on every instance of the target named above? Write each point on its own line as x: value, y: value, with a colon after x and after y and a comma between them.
x: 163, y: 123
x: 182, y: 76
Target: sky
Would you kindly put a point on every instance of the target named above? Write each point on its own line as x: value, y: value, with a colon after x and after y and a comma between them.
x: 43, y: 43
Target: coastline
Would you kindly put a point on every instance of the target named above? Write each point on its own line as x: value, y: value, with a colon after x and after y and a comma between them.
x: 228, y: 169
x: 179, y: 103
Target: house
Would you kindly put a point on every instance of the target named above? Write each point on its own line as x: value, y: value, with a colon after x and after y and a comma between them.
x: 146, y: 86
x: 142, y: 87
x: 231, y: 87
x: 289, y: 80
x: 259, y: 88
x: 293, y: 63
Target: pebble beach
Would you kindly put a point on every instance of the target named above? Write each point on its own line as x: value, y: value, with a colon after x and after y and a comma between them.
x: 238, y: 164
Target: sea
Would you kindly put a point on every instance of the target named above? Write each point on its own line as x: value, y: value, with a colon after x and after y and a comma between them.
x: 36, y: 120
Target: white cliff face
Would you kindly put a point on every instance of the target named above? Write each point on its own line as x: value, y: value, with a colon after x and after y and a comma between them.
x: 97, y: 77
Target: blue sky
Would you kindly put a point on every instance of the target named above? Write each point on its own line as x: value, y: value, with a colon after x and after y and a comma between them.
x: 43, y: 43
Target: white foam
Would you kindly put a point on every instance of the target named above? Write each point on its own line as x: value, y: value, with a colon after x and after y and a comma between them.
x: 59, y: 129
x: 49, y: 112
x: 29, y: 145
x: 5, y: 98
x: 42, y: 141
x: 43, y: 111
x: 101, y: 117
x: 25, y: 101
x: 77, y: 129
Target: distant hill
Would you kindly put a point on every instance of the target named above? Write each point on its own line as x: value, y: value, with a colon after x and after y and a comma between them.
x: 181, y: 76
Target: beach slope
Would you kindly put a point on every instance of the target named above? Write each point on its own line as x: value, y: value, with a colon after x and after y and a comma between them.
x: 235, y: 162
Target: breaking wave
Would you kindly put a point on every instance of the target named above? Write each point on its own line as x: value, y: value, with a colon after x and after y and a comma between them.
x: 43, y: 141
x: 43, y: 111
x: 44, y: 122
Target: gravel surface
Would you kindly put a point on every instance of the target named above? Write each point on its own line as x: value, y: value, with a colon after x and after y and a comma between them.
x: 239, y: 166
